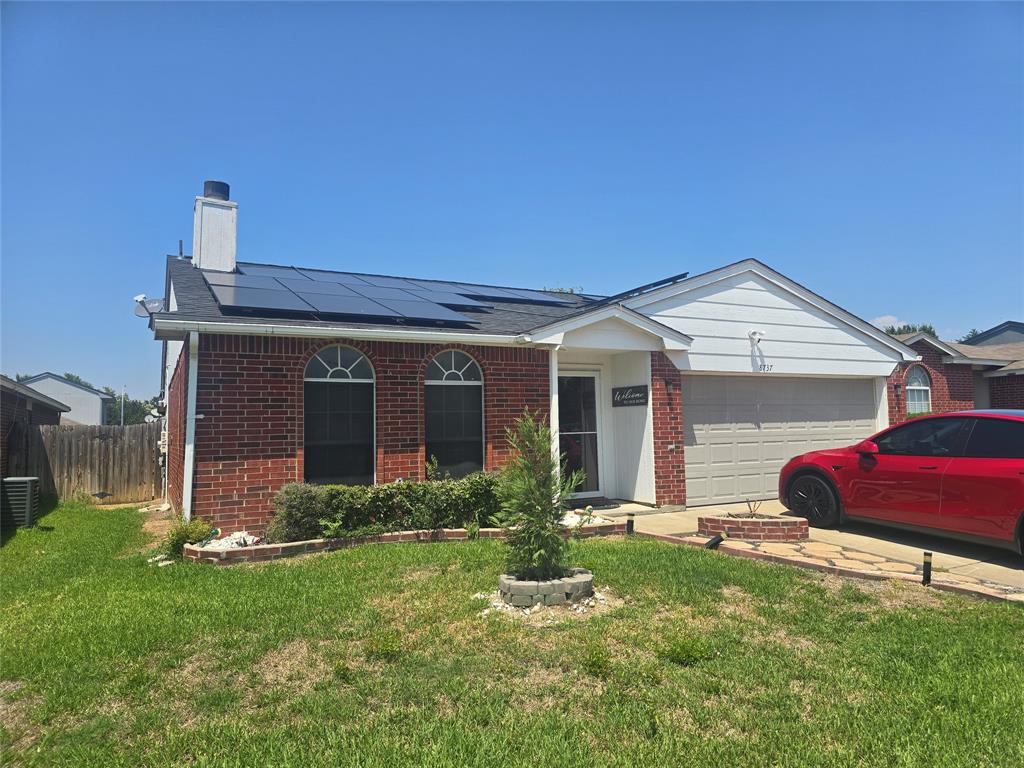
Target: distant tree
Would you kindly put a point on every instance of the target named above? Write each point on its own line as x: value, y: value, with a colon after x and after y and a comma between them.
x: 74, y: 378
x: 899, y: 330
x: 969, y: 335
x: 22, y: 376
x: 135, y: 411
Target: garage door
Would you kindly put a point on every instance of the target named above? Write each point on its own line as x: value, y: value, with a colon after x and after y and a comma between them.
x: 740, y: 430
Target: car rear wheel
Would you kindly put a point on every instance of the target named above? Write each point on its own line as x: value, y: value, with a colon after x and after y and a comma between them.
x: 812, y: 497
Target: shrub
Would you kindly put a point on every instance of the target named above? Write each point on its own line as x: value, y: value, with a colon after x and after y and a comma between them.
x: 82, y: 498
x: 340, y: 511
x: 183, y: 533
x: 531, y: 489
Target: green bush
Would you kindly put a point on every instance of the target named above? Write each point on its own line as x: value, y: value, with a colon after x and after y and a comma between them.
x: 183, y: 533
x: 340, y: 511
x: 532, y: 488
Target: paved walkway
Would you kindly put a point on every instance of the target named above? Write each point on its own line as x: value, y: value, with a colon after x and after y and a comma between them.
x: 861, y: 546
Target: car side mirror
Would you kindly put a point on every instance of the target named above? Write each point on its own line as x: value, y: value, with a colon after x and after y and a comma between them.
x: 866, y: 448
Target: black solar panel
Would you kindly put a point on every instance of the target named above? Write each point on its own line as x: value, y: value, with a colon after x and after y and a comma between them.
x: 301, y: 284
x: 387, y: 282
x: 270, y: 270
x: 235, y: 280
x: 347, y: 305
x: 259, y: 298
x: 289, y: 289
x: 444, y: 297
x: 425, y: 310
x: 379, y: 292
x: 332, y: 277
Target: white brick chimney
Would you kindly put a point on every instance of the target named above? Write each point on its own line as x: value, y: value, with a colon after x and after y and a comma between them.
x: 215, y: 234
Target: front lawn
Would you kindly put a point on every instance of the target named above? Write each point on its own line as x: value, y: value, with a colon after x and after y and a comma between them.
x: 378, y: 656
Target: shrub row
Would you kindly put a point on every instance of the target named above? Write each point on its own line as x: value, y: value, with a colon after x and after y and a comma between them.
x: 336, y: 511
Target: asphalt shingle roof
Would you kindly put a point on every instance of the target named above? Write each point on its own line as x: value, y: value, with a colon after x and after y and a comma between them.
x: 195, y: 301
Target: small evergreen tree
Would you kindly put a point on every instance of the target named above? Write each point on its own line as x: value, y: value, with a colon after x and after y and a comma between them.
x: 969, y: 335
x: 532, y: 488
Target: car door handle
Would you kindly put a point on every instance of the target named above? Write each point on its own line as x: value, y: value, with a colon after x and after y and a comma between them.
x: 930, y: 467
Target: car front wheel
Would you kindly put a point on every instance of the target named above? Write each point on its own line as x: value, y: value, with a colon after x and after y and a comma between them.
x: 812, y: 497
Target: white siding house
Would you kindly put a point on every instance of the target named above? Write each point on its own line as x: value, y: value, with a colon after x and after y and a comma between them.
x: 87, y: 404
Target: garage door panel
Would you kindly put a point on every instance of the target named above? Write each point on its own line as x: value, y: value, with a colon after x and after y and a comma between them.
x: 736, y: 424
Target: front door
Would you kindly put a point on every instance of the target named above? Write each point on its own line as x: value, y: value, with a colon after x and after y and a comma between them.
x: 578, y: 429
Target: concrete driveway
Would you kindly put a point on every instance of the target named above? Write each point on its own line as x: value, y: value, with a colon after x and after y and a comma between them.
x: 971, y: 561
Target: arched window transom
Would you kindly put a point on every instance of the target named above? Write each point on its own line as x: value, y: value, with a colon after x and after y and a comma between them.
x: 454, y: 366
x: 454, y: 407
x: 339, y: 363
x: 338, y: 417
x: 919, y: 391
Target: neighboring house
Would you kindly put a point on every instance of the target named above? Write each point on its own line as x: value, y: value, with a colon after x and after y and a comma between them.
x: 1010, y: 332
x: 693, y: 390
x: 88, y: 405
x: 21, y: 407
x: 953, y: 376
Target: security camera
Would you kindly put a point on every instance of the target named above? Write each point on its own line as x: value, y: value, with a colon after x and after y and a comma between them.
x: 755, y: 336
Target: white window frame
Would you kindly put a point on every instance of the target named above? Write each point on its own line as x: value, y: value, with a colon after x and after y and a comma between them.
x: 339, y: 380
x: 458, y: 382
x: 908, y: 387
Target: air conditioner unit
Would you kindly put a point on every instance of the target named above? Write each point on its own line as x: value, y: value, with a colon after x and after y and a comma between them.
x: 19, y: 501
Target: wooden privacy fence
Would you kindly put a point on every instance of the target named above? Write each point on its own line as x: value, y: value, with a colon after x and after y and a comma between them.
x: 123, y: 462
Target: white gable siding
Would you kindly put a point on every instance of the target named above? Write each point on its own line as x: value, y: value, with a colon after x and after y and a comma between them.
x: 799, y: 338
x: 86, y: 407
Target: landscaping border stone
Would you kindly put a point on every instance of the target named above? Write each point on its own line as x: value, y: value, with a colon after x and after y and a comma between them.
x: 264, y: 552
x: 767, y: 528
x: 577, y: 585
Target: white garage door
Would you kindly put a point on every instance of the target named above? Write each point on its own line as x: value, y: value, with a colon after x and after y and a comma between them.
x: 740, y: 430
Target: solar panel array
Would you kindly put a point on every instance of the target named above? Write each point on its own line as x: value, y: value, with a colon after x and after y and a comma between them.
x: 318, y: 292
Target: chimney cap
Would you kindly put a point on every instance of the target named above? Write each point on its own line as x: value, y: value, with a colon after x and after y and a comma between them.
x: 216, y: 190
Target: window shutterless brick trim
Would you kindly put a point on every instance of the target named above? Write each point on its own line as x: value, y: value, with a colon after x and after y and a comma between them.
x: 249, y: 441
x: 667, y: 407
x: 952, y: 385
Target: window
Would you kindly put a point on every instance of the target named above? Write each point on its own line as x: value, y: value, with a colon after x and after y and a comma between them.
x: 933, y: 437
x: 996, y: 439
x: 919, y: 391
x: 338, y: 412
x: 455, y: 413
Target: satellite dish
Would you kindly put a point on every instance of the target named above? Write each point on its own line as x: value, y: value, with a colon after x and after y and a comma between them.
x: 146, y: 307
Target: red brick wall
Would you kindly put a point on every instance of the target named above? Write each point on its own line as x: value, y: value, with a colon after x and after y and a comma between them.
x: 1006, y: 391
x: 669, y: 466
x: 952, y: 385
x: 177, y: 392
x: 250, y: 440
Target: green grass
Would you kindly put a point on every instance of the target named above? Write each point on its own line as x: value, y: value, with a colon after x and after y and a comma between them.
x: 377, y: 656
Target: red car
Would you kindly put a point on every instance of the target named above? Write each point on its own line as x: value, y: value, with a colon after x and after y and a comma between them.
x: 958, y: 474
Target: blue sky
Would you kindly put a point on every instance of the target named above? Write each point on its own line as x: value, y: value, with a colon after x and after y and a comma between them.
x: 872, y: 152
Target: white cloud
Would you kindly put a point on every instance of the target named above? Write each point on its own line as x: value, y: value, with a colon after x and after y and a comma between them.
x: 885, y: 320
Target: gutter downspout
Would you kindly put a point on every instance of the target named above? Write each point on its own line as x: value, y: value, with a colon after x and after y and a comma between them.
x: 553, y: 403
x: 190, y: 425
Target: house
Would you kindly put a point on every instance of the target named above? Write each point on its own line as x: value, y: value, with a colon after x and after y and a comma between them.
x: 691, y: 390
x: 88, y: 405
x: 1009, y: 332
x: 953, y: 376
x: 20, y: 408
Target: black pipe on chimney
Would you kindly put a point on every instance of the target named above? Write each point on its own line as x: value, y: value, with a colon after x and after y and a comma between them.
x: 217, y: 190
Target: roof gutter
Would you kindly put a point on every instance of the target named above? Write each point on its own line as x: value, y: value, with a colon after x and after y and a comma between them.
x: 173, y: 328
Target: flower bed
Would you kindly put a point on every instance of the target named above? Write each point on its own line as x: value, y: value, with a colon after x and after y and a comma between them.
x: 264, y: 552
x: 755, y: 528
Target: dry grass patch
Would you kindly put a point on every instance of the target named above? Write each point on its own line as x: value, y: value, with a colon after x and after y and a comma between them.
x: 15, y: 715
x: 294, y: 665
x: 891, y: 594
